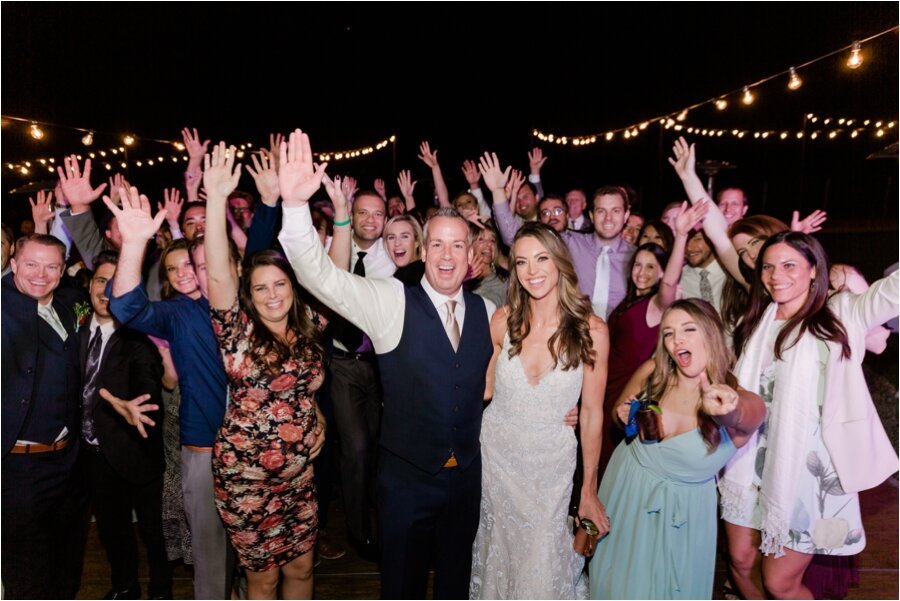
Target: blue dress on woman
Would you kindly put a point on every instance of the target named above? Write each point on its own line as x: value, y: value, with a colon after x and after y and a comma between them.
x: 661, y: 501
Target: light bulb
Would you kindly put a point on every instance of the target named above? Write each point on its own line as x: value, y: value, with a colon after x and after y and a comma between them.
x: 128, y: 140
x: 682, y: 115
x: 179, y: 145
x: 748, y: 96
x: 795, y: 82
x: 36, y: 132
x: 721, y: 104
x: 856, y: 58
x: 88, y: 139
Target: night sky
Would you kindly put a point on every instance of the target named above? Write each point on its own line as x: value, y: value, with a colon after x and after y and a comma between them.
x: 468, y: 80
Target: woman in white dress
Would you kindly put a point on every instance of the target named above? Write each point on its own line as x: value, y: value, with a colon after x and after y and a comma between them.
x: 549, y: 348
x: 792, y: 492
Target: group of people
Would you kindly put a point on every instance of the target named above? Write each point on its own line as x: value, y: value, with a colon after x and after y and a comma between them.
x: 466, y: 384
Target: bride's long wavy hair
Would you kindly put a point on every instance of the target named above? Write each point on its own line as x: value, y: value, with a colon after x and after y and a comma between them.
x: 571, y: 343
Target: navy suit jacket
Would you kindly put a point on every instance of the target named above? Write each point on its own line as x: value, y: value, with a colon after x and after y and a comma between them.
x: 21, y: 366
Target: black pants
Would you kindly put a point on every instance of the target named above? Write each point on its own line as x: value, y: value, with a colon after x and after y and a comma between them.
x: 113, y: 498
x: 44, y: 521
x: 355, y: 392
x: 424, y: 518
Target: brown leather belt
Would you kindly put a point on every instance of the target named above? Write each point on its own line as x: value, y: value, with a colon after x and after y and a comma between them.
x: 196, y: 448
x: 31, y: 449
x: 452, y: 462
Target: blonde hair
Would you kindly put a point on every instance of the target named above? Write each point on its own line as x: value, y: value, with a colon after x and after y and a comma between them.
x: 417, y: 233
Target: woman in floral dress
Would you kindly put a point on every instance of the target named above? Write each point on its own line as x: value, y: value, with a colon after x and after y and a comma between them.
x: 262, y: 460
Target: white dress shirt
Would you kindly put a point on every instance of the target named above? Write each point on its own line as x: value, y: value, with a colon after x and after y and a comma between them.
x: 375, y: 306
x: 690, y: 282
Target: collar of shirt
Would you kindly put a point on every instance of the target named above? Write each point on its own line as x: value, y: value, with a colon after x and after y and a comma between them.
x: 378, y: 262
x: 106, y: 329
x: 48, y: 314
x: 617, y: 246
x: 438, y: 300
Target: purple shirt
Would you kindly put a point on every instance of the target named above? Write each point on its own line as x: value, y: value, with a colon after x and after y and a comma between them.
x: 585, y: 248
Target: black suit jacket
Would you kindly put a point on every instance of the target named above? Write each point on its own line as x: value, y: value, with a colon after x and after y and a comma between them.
x: 130, y: 366
x: 21, y: 365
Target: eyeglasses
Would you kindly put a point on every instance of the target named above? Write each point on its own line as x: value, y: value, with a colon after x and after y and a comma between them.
x: 557, y: 211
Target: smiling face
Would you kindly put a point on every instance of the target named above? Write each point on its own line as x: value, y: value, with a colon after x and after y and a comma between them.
x: 180, y: 273
x: 733, y: 204
x: 553, y: 213
x: 99, y: 300
x: 632, y: 228
x: 400, y: 242
x: 747, y: 248
x: 610, y: 215
x: 683, y: 339
x: 368, y: 220
x: 526, y: 203
x: 194, y: 222
x: 272, y: 296
x: 646, y: 272
x: 241, y: 211
x: 698, y: 252
x: 651, y: 235
x: 446, y: 254
x: 396, y: 206
x: 535, y: 268
x: 787, y: 276
x: 576, y: 201
x: 37, y: 269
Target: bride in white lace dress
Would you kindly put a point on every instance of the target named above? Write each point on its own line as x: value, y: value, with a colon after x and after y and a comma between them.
x: 548, y: 350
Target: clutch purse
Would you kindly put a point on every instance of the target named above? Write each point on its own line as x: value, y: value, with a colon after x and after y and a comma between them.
x: 586, y: 536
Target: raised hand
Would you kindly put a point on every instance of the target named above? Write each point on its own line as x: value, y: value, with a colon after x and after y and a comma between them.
x: 298, y: 177
x: 470, y: 172
x: 334, y: 189
x: 135, y: 222
x: 77, y: 185
x: 380, y: 188
x: 494, y: 177
x: 685, y: 159
x: 717, y: 399
x: 689, y: 216
x: 515, y: 182
x: 266, y: 177
x: 350, y: 187
x: 536, y: 160
x: 220, y: 175
x: 426, y: 156
x: 133, y: 411
x: 41, y: 210
x: 172, y: 204
x: 406, y: 183
x: 116, y: 183
x: 195, y: 148
x: 275, y: 141
x: 810, y: 225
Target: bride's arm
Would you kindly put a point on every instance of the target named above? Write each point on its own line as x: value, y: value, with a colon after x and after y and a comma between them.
x: 498, y: 331
x: 591, y: 420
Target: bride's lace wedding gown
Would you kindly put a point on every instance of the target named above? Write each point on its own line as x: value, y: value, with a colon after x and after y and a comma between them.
x: 523, y: 549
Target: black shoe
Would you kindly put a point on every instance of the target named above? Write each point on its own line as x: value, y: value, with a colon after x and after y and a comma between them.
x: 366, y: 549
x: 133, y: 592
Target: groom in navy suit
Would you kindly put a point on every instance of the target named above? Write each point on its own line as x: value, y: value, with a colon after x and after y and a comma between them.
x: 44, y: 498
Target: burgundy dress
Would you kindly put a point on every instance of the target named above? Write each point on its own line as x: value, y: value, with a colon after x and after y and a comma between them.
x: 263, y: 477
x: 631, y: 342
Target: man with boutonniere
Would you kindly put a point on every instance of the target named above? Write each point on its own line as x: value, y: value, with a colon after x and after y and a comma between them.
x: 43, y: 496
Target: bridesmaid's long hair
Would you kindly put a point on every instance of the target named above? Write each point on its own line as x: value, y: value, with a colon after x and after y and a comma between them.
x: 719, y: 360
x: 266, y: 349
x: 571, y: 343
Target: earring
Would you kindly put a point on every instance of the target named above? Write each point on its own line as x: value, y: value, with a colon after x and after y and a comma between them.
x: 812, y: 284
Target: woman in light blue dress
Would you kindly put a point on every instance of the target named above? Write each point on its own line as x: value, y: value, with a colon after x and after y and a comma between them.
x: 661, y: 496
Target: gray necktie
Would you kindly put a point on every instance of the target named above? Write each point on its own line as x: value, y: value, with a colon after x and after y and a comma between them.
x: 705, y: 287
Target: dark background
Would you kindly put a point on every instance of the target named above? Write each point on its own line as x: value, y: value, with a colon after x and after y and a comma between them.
x: 468, y: 77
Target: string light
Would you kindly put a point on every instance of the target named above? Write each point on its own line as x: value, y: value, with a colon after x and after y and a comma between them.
x: 682, y: 115
x: 856, y: 58
x: 748, y: 96
x: 721, y: 104
x: 795, y: 82
x: 88, y: 139
x: 128, y: 140
x: 36, y: 132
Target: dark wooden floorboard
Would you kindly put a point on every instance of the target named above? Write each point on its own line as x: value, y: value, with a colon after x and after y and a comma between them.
x: 353, y: 578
